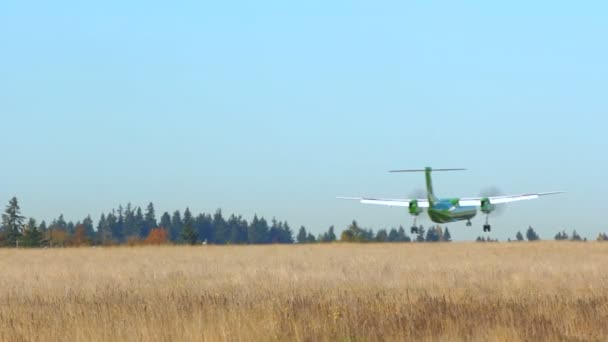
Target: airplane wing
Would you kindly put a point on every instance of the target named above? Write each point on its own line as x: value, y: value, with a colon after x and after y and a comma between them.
x: 394, y: 202
x: 476, y: 201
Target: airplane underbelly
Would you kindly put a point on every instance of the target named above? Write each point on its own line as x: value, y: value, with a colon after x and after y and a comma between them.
x: 452, y: 215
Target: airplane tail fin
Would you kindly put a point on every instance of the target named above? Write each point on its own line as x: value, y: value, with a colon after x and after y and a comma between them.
x: 429, y: 182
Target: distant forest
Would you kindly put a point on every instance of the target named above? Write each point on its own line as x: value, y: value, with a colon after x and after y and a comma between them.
x: 129, y: 225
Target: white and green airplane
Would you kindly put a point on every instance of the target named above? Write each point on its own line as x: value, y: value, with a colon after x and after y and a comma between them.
x: 447, y: 210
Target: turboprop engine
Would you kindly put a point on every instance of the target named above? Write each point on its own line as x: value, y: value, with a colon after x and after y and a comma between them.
x: 486, y: 206
x: 414, y: 208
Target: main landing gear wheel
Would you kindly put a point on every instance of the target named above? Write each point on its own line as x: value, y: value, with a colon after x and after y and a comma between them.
x: 487, y: 227
x: 469, y: 223
x: 414, y: 229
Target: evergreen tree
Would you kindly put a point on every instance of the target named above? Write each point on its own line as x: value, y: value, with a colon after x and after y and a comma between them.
x: 446, y: 235
x: 402, y: 235
x: 393, y: 235
x: 432, y: 235
x: 88, y: 227
x: 42, y: 227
x: 221, y: 233
x: 286, y: 233
x: 140, y: 230
x: 188, y: 234
x: 165, y: 221
x: 237, y: 227
x: 12, y: 222
x: 519, y: 236
x: 116, y: 220
x: 311, y: 238
x: 104, y: 230
x: 331, y: 236
x: 149, y: 220
x: 32, y: 237
x: 204, y: 228
x: 302, y: 235
x: 176, y: 226
x: 531, y: 234
x: 129, y: 227
x: 561, y: 236
x: 382, y: 236
x: 575, y: 236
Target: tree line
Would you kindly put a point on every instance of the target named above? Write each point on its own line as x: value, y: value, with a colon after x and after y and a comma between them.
x: 133, y: 226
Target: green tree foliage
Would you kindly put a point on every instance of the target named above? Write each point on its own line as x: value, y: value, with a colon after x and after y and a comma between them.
x: 519, y: 236
x: 188, y: 234
x: 531, y: 235
x: 12, y: 222
x: 355, y: 234
x: 204, y: 227
x: 602, y: 237
x: 382, y: 236
x: 311, y: 238
x: 561, y: 236
x: 221, y: 230
x: 237, y: 227
x: 149, y: 221
x: 32, y: 236
x: 446, y: 235
x: 302, y: 235
x: 176, y: 226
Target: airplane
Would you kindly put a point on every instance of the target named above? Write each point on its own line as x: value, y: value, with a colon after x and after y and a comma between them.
x: 446, y: 210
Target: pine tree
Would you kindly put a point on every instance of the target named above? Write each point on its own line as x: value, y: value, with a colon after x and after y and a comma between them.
x: 331, y: 236
x: 139, y: 224
x: 531, y: 234
x: 519, y: 236
x: 32, y: 237
x: 88, y: 227
x: 446, y: 235
x: 431, y: 235
x: 286, y: 233
x: 221, y: 233
x: 165, y: 221
x: 311, y: 238
x: 393, y: 236
x: 149, y: 220
x: 176, y: 226
x: 382, y: 235
x: 12, y: 222
x: 204, y: 228
x: 104, y: 230
x: 302, y: 235
x: 188, y: 234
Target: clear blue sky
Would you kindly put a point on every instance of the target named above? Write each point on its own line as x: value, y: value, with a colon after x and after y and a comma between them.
x: 277, y: 107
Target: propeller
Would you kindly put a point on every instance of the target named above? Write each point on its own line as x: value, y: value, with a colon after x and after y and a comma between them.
x: 418, y: 193
x: 492, y: 191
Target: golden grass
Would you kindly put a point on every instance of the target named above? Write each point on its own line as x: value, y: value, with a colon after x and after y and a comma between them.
x: 445, y: 292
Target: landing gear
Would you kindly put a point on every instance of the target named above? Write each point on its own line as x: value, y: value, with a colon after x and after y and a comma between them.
x: 414, y: 229
x: 469, y: 223
x: 487, y: 227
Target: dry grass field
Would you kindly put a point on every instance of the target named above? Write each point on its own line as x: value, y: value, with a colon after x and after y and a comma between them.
x: 338, y: 292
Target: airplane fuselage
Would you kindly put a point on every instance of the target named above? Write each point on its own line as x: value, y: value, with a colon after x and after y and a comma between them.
x: 448, y: 210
